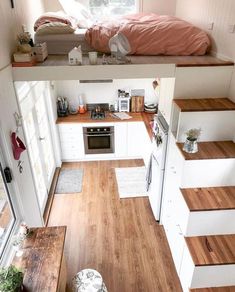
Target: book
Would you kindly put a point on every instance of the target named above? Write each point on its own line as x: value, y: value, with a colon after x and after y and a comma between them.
x: 24, y: 64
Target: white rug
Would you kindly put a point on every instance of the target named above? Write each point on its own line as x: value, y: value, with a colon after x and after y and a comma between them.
x: 131, y: 182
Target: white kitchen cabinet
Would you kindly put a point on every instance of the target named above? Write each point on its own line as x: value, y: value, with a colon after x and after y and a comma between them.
x: 135, y: 142
x: 176, y: 241
x: 166, y: 96
x: 179, y: 221
x: 71, y: 141
x: 138, y: 141
x: 120, y: 139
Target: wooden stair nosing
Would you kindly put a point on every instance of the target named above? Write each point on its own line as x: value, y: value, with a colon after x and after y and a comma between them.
x: 214, y: 289
x: 209, y: 199
x: 212, y: 250
x: 210, y: 150
x: 205, y: 104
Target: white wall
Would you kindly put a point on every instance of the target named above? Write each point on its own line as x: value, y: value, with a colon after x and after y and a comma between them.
x: 222, y: 14
x: 156, y: 6
x: 25, y: 12
x: 103, y: 92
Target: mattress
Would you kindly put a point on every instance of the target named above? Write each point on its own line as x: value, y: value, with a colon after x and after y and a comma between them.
x: 63, y: 43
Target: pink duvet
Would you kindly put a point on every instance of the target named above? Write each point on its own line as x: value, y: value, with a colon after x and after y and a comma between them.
x: 151, y: 34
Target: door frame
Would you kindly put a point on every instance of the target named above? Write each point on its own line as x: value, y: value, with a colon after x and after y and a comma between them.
x: 7, y: 253
x: 45, y: 94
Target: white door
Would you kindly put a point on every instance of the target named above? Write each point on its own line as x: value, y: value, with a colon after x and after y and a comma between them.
x: 38, y: 139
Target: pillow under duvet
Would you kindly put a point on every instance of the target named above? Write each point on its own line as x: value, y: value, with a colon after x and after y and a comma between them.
x: 54, y: 28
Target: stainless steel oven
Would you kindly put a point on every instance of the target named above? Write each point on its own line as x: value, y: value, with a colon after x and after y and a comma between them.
x: 98, y: 140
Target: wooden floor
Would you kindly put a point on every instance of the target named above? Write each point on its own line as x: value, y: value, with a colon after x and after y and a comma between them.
x: 119, y: 238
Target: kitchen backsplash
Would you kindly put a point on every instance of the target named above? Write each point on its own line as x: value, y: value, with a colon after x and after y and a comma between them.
x: 104, y: 92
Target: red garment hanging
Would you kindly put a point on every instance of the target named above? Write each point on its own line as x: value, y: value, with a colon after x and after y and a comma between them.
x: 17, y: 146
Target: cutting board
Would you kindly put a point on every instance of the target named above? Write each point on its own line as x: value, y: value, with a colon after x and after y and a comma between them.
x: 137, y: 104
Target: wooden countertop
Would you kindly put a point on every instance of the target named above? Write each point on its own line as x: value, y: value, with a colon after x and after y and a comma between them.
x: 212, y: 250
x: 42, y: 258
x: 205, y: 104
x: 210, y: 150
x: 85, y: 118
x: 209, y: 199
x: 215, y: 289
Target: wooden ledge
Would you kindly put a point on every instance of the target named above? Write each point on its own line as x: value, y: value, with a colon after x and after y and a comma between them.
x: 209, y: 199
x: 205, y: 104
x: 42, y: 258
x: 215, y: 289
x: 210, y: 150
x: 212, y: 250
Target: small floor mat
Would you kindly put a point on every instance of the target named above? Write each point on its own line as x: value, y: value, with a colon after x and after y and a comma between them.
x: 69, y: 181
x: 131, y: 182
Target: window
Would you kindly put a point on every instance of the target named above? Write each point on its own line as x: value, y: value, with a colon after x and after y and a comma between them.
x: 101, y: 8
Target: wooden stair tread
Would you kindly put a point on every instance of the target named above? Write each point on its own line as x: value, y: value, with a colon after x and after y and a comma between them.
x: 209, y: 199
x: 210, y: 150
x: 212, y: 250
x: 215, y: 289
x: 205, y: 104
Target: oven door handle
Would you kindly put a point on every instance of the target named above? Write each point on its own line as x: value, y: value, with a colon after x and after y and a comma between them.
x: 98, y: 135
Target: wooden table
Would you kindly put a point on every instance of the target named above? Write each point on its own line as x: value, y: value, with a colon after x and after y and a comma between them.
x: 43, y: 260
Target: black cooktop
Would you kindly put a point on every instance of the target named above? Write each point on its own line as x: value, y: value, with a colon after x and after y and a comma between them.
x: 97, y: 115
x: 97, y: 110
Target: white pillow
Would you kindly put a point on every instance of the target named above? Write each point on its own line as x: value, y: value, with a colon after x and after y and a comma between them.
x: 54, y: 28
x: 78, y: 11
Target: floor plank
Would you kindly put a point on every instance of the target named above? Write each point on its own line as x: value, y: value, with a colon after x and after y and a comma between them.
x: 119, y: 238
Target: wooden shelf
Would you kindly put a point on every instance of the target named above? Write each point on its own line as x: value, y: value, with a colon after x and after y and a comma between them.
x: 212, y: 250
x: 209, y: 199
x: 205, y: 104
x: 215, y: 289
x: 210, y: 150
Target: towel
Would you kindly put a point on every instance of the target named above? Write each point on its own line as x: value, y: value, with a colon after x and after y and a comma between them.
x: 149, y: 173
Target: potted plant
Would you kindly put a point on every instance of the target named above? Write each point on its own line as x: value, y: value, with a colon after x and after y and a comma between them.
x: 24, y: 39
x: 190, y: 145
x: 11, y: 279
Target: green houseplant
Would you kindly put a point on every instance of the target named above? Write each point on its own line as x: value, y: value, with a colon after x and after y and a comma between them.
x: 11, y: 279
x: 190, y: 145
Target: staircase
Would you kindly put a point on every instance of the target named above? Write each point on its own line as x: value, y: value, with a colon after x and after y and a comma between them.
x: 199, y: 195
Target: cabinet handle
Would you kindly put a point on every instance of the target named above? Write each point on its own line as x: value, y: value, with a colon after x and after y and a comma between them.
x: 180, y: 231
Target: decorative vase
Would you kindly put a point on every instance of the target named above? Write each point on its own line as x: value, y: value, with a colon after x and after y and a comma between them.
x: 25, y: 48
x: 190, y: 145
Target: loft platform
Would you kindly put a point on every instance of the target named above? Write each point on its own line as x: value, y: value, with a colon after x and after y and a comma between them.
x: 56, y: 68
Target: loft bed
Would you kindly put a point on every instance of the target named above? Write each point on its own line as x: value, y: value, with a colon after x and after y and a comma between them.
x: 148, y: 35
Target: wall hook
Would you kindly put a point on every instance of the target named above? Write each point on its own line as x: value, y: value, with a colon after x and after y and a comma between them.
x: 18, y: 120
